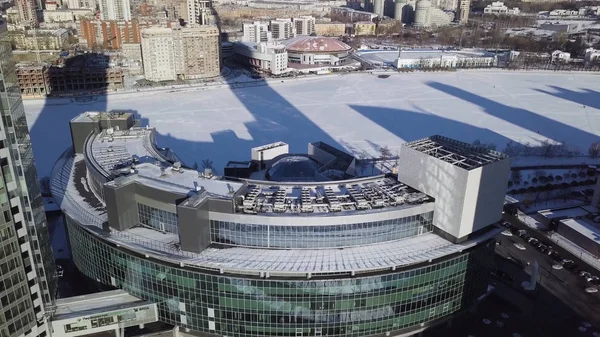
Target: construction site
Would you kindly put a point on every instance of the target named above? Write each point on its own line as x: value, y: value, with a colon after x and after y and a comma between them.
x: 83, y: 73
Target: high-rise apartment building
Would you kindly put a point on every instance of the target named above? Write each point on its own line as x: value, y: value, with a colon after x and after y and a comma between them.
x: 255, y: 32
x: 158, y: 54
x: 198, y: 12
x: 378, y: 7
x: 108, y: 34
x: 304, y: 25
x: 192, y: 52
x: 27, y: 283
x: 201, y: 47
x: 27, y: 10
x: 282, y: 29
x: 463, y: 11
x: 115, y: 10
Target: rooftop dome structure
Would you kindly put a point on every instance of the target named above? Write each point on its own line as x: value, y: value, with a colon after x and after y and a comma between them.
x: 315, y: 44
x: 294, y: 168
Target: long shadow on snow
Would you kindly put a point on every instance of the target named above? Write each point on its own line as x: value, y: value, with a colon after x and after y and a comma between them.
x: 526, y: 119
x: 587, y: 97
x: 275, y: 119
x: 412, y: 125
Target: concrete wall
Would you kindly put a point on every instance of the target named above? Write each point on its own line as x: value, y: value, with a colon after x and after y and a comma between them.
x: 80, y: 131
x: 121, y: 206
x: 581, y: 240
x: 465, y: 201
x: 194, y: 225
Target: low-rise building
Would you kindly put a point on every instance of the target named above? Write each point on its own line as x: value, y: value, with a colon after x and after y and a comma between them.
x: 40, y: 39
x: 564, y: 12
x: 330, y: 29
x: 316, y: 51
x: 498, y: 7
x: 592, y: 55
x: 67, y: 15
x: 365, y: 28
x: 269, y: 57
x: 561, y: 56
x: 346, y: 14
x: 443, y: 59
x: 132, y: 51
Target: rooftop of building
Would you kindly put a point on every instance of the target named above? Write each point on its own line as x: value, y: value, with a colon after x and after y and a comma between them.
x: 305, y: 43
x: 81, y: 205
x: 95, y: 303
x: 584, y: 227
x: 95, y: 116
x: 457, y: 153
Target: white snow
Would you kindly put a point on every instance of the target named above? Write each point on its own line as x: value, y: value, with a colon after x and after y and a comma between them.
x: 359, y: 113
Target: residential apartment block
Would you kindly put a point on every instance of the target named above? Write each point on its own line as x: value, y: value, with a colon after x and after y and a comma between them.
x: 115, y: 10
x: 255, y: 32
x: 27, y: 10
x: 304, y: 25
x: 282, y: 29
x: 108, y: 34
x: 169, y: 54
x: 199, y: 12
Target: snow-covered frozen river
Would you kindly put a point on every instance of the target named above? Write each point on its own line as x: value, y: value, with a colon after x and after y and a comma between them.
x: 358, y: 112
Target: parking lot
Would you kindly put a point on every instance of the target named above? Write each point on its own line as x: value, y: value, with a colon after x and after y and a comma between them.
x: 559, y: 306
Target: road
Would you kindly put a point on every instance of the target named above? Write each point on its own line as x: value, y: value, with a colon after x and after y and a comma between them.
x: 567, y: 286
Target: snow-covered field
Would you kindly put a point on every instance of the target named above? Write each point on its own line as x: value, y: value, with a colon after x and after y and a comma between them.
x: 358, y: 112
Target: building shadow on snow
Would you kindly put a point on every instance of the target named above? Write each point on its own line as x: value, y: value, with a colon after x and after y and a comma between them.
x: 523, y: 118
x: 585, y: 97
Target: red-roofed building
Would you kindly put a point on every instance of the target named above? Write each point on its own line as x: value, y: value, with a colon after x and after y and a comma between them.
x: 316, y: 50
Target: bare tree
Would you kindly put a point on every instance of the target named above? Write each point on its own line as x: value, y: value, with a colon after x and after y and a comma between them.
x: 594, y: 149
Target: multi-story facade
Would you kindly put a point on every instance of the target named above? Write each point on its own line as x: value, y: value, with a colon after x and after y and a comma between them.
x: 269, y: 57
x: 72, y: 4
x: 199, y: 12
x: 282, y: 29
x: 304, y: 25
x: 284, y: 257
x: 255, y: 32
x: 27, y: 283
x: 115, y: 10
x: 464, y: 7
x: 378, y: 7
x: 92, y: 74
x: 158, y: 54
x: 108, y: 34
x: 201, y: 47
x: 46, y: 39
x: 27, y: 11
x: 191, y: 52
x: 330, y: 29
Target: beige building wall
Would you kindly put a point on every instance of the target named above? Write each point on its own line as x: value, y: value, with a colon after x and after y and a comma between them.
x: 364, y: 28
x: 201, y: 52
x: 330, y: 29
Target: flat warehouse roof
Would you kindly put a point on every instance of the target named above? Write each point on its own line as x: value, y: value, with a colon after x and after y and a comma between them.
x: 457, y: 153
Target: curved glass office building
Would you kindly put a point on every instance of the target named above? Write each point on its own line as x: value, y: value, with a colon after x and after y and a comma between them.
x: 241, y: 257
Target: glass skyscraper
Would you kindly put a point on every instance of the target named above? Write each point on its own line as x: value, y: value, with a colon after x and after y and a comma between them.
x: 27, y: 283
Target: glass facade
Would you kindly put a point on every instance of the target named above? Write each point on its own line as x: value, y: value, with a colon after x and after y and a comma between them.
x: 236, y: 305
x: 17, y: 139
x: 346, y: 235
x: 157, y: 218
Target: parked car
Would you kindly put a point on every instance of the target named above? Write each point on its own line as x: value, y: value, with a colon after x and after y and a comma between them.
x: 505, y: 224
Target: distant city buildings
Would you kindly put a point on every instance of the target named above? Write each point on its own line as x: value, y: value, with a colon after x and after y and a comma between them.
x: 67, y: 15
x: 27, y: 10
x: 255, y: 32
x: 181, y: 53
x: 498, y: 7
x: 592, y: 55
x: 115, y: 10
x: 282, y: 29
x: 199, y: 12
x: 464, y: 6
x: 330, y: 29
x: 366, y: 28
x: 304, y: 25
x: 40, y: 39
x: 108, y: 34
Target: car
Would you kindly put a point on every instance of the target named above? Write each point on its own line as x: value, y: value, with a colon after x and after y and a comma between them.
x: 532, y: 240
x: 564, y: 261
x: 522, y: 232
x: 570, y: 266
x: 506, y: 233
x: 549, y: 252
x: 591, y: 290
x: 525, y: 236
x: 505, y: 224
x: 519, y: 246
x: 585, y: 274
